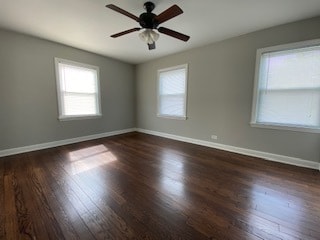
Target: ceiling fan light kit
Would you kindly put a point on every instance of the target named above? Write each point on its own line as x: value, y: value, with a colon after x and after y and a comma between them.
x: 150, y: 22
x: 149, y: 36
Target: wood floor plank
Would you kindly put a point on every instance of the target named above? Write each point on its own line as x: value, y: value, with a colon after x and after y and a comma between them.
x: 152, y: 219
x: 2, y: 209
x: 216, y: 193
x: 169, y: 200
x: 116, y: 211
x: 59, y: 213
x: 28, y: 216
x: 82, y: 206
x: 11, y: 221
x: 92, y: 211
x: 138, y: 186
x: 127, y: 194
x: 74, y: 219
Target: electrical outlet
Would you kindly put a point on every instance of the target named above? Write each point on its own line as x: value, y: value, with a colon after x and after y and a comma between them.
x: 214, y: 137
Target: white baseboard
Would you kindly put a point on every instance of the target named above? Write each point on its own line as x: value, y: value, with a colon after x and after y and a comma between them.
x: 264, y: 155
x: 12, y: 151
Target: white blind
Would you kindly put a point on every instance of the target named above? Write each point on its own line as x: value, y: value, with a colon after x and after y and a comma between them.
x: 172, y: 92
x: 78, y: 90
x: 289, y: 88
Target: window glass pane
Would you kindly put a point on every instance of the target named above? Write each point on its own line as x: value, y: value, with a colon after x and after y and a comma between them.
x: 172, y: 82
x: 172, y: 105
x: 294, y: 107
x: 77, y: 79
x: 172, y: 92
x: 79, y: 104
x: 294, y: 69
x: 288, y: 91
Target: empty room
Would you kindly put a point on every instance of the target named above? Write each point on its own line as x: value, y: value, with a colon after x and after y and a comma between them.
x: 160, y: 119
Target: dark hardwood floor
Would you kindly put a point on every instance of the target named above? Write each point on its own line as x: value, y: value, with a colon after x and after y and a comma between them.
x: 138, y: 186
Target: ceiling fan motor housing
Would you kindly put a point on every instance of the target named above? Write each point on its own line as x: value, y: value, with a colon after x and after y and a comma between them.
x: 148, y: 20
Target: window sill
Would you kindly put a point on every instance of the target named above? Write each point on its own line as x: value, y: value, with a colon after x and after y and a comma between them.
x: 172, y: 117
x: 284, y: 127
x: 81, y: 117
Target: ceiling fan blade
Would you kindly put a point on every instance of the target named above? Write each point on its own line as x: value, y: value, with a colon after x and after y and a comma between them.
x: 152, y: 46
x: 171, y: 12
x: 124, y: 12
x: 174, y: 34
x: 125, y: 32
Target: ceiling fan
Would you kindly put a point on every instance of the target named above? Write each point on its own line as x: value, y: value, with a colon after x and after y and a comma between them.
x: 150, y: 21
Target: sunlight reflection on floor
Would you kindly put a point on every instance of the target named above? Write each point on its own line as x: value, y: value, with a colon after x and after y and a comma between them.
x: 89, y: 158
x: 172, y: 173
x: 267, y: 201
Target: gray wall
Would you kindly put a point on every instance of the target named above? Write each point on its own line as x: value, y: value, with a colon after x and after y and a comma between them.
x: 220, y: 89
x: 28, y: 101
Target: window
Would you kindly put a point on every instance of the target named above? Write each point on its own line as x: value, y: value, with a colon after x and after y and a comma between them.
x: 78, y: 90
x: 287, y: 87
x: 172, y: 87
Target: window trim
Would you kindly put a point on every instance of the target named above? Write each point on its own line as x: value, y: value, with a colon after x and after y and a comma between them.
x: 184, y: 117
x: 254, y: 111
x: 63, y: 117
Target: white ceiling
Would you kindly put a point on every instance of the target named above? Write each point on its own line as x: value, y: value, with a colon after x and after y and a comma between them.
x: 87, y: 24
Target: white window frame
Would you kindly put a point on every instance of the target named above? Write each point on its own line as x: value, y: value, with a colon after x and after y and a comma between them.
x: 260, y: 52
x: 184, y: 117
x: 62, y: 116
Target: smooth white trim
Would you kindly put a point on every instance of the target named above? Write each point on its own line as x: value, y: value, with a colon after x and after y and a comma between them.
x: 283, y: 127
x: 172, y: 117
x: 291, y: 46
x: 40, y: 146
x: 264, y: 155
x: 62, y: 116
x: 79, y: 117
